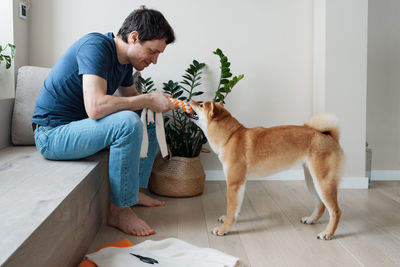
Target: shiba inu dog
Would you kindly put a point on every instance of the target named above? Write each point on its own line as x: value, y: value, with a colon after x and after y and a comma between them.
x: 260, y: 152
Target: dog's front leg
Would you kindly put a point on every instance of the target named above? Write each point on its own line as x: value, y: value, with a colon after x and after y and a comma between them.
x: 235, y: 194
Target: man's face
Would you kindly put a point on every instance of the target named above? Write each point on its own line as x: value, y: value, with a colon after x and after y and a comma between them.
x: 142, y: 54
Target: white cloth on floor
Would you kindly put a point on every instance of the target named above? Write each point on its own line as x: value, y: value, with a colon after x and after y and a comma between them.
x: 168, y: 252
x: 160, y: 133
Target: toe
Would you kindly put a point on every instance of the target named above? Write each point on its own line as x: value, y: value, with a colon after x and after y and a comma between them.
x: 218, y: 232
x: 306, y: 220
x: 215, y: 231
x: 324, y: 236
x: 149, y: 231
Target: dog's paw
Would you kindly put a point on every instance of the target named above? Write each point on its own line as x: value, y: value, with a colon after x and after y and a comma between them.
x: 217, y: 231
x: 306, y: 220
x: 222, y: 218
x: 324, y: 236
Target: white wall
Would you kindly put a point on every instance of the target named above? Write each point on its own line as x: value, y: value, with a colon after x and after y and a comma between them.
x: 6, y: 36
x: 271, y: 42
x: 21, y: 37
x: 6, y: 75
x: 13, y: 30
x: 383, y: 106
x: 346, y: 76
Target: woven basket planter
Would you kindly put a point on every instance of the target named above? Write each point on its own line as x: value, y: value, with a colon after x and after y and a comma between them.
x: 177, y: 177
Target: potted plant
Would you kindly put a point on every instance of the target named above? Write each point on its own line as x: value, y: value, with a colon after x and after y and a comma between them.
x: 7, y: 57
x: 182, y: 174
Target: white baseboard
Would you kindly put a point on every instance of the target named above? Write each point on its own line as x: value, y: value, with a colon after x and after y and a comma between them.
x: 347, y: 182
x: 385, y: 175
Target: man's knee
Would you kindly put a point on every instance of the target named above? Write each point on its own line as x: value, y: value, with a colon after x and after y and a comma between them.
x: 129, y: 121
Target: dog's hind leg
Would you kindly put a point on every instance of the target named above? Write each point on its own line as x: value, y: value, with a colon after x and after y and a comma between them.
x: 329, y: 195
x: 235, y: 195
x: 326, y: 182
x: 319, y: 205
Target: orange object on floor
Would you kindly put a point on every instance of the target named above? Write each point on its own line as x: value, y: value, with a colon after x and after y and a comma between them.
x: 120, y: 244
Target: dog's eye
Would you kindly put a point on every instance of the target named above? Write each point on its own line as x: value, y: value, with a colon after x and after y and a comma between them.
x: 201, y: 105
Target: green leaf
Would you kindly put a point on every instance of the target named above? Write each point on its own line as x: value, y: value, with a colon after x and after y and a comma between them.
x: 184, y: 89
x: 13, y: 48
x: 218, y: 52
x: 190, y: 71
x: 226, y: 64
x: 177, y: 94
x: 197, y: 93
x: 8, y: 61
x: 226, y: 75
x: 187, y: 77
x: 225, y: 70
x: 186, y: 82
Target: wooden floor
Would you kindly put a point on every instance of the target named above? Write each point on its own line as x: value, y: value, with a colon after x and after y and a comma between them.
x: 269, y: 232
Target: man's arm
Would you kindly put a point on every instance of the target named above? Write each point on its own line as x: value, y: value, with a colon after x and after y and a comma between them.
x: 128, y: 91
x: 99, y: 105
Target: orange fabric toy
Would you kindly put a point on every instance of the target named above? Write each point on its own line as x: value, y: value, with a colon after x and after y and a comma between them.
x: 183, y: 105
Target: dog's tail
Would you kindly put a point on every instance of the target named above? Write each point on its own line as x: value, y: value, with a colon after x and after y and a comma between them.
x: 326, y: 123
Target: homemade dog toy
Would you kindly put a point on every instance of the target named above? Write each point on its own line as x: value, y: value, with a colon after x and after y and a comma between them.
x: 159, y: 121
x: 183, y: 105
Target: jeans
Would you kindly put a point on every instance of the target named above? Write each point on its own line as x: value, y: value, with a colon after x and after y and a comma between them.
x: 122, y: 132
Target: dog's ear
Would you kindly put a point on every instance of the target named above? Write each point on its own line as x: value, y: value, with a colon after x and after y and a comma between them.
x: 216, y: 109
x: 213, y: 109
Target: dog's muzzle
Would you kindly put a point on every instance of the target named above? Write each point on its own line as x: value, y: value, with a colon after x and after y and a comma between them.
x: 192, y: 116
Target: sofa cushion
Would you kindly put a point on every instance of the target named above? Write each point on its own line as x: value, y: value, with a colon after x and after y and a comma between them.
x: 29, y: 82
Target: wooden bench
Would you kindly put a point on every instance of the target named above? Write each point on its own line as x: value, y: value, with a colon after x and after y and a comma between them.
x: 50, y: 210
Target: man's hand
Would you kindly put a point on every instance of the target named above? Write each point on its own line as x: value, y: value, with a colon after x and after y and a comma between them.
x: 159, y: 102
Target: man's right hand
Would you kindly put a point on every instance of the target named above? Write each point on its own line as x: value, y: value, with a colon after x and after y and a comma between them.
x: 158, y: 102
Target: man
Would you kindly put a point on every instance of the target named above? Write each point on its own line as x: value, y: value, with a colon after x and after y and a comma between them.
x: 76, y: 114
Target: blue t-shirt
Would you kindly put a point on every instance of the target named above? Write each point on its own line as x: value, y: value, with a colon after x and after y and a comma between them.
x: 60, y: 100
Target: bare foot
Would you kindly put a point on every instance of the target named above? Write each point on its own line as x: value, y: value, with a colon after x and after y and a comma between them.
x: 147, y: 201
x: 127, y: 221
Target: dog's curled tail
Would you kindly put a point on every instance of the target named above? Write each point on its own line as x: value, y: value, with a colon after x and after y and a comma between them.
x: 326, y: 123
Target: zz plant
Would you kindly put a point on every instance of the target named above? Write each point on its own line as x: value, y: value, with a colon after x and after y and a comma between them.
x: 184, y: 138
x: 225, y: 84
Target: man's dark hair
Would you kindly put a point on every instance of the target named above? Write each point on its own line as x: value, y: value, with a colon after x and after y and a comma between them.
x: 149, y: 23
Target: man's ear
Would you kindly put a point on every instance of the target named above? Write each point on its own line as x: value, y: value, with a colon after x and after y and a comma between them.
x: 133, y: 37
